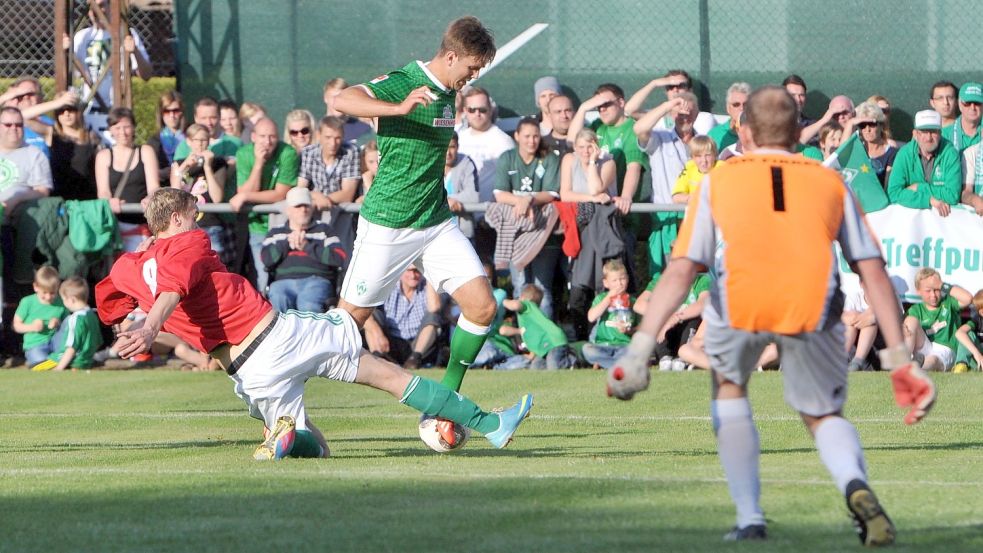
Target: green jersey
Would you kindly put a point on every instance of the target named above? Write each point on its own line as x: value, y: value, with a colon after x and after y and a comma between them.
x: 621, y: 143
x: 82, y: 333
x: 955, y: 134
x: 282, y: 168
x: 700, y: 285
x: 608, y: 331
x: 940, y: 324
x: 542, y: 174
x: 540, y: 334
x: 723, y: 136
x: 408, y: 191
x: 31, y: 309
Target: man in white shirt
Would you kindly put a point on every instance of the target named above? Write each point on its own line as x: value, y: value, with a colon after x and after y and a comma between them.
x: 482, y: 141
x: 24, y: 170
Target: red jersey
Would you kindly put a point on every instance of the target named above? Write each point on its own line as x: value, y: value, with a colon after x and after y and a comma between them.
x: 217, y: 307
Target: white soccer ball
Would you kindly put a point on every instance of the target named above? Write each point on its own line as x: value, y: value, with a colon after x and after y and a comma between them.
x: 433, y: 439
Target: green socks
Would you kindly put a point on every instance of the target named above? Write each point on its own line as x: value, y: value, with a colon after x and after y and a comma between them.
x: 431, y: 398
x: 466, y: 342
x: 306, y: 445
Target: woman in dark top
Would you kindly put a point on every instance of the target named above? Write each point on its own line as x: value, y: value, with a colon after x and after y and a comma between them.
x: 73, y: 155
x: 138, y: 164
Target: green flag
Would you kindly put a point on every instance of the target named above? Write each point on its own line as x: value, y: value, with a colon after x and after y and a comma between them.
x: 852, y: 161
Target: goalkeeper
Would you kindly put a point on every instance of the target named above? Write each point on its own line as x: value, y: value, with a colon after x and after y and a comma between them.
x: 765, y: 225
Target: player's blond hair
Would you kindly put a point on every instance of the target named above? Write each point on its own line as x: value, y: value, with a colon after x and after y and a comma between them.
x: 532, y: 293
x: 700, y: 145
x: 46, y: 279
x: 924, y: 274
x: 75, y: 288
x: 163, y: 203
x: 613, y: 266
x: 468, y: 37
x: 772, y: 116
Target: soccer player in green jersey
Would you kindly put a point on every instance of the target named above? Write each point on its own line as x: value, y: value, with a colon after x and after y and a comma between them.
x: 405, y: 218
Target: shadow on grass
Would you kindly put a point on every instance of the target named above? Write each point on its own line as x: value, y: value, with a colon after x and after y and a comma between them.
x: 240, y: 511
x: 100, y: 446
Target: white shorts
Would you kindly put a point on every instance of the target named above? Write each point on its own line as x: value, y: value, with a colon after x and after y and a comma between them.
x: 381, y: 254
x: 944, y: 353
x: 300, y: 346
x: 814, y: 364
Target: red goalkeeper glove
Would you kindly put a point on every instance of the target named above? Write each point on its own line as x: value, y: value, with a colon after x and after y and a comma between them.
x: 630, y: 373
x: 913, y: 389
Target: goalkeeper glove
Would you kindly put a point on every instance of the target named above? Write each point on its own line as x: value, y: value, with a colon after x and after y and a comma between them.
x: 630, y: 373
x: 912, y: 387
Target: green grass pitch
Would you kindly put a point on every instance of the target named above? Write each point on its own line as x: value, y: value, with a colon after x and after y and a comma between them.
x: 161, y: 461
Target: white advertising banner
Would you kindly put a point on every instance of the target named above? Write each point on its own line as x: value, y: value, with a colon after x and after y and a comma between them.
x: 915, y: 238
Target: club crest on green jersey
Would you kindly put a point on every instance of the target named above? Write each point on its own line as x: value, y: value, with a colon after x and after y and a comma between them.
x: 448, y: 118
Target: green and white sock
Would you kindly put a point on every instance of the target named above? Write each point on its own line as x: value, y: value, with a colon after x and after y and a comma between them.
x: 435, y: 399
x: 466, y: 342
x: 306, y: 445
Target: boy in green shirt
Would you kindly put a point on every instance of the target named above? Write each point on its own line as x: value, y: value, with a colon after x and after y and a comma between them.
x: 546, y: 342
x: 80, y: 336
x: 39, y: 315
x: 930, y: 327
x: 615, y: 319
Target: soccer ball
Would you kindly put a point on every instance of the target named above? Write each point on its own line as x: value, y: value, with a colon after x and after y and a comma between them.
x: 433, y: 439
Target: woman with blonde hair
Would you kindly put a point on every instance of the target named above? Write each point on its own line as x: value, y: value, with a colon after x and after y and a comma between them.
x: 249, y: 114
x: 870, y: 125
x: 298, y: 128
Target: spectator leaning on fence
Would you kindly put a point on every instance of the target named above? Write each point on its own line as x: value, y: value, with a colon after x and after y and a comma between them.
x: 24, y: 171
x: 965, y: 130
x: 331, y: 168
x: 127, y: 173
x: 616, y: 136
x: 926, y: 172
x: 265, y: 171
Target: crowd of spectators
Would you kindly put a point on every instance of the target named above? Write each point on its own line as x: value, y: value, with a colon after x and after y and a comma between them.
x: 570, y: 261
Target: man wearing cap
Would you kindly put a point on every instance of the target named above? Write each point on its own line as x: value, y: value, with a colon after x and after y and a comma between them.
x: 965, y: 131
x: 545, y: 89
x: 302, y: 258
x: 927, y: 172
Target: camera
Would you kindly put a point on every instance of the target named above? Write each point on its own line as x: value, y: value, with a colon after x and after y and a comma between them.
x: 200, y: 160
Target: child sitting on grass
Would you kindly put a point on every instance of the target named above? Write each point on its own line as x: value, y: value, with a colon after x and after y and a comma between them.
x: 703, y: 152
x: 930, y: 327
x: 81, y: 336
x: 546, y: 342
x: 38, y: 316
x: 615, y: 319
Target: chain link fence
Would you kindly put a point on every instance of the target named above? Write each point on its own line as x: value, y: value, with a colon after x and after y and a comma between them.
x: 27, y: 28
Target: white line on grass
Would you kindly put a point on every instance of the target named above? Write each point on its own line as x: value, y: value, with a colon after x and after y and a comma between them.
x: 407, y: 416
x: 375, y: 473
